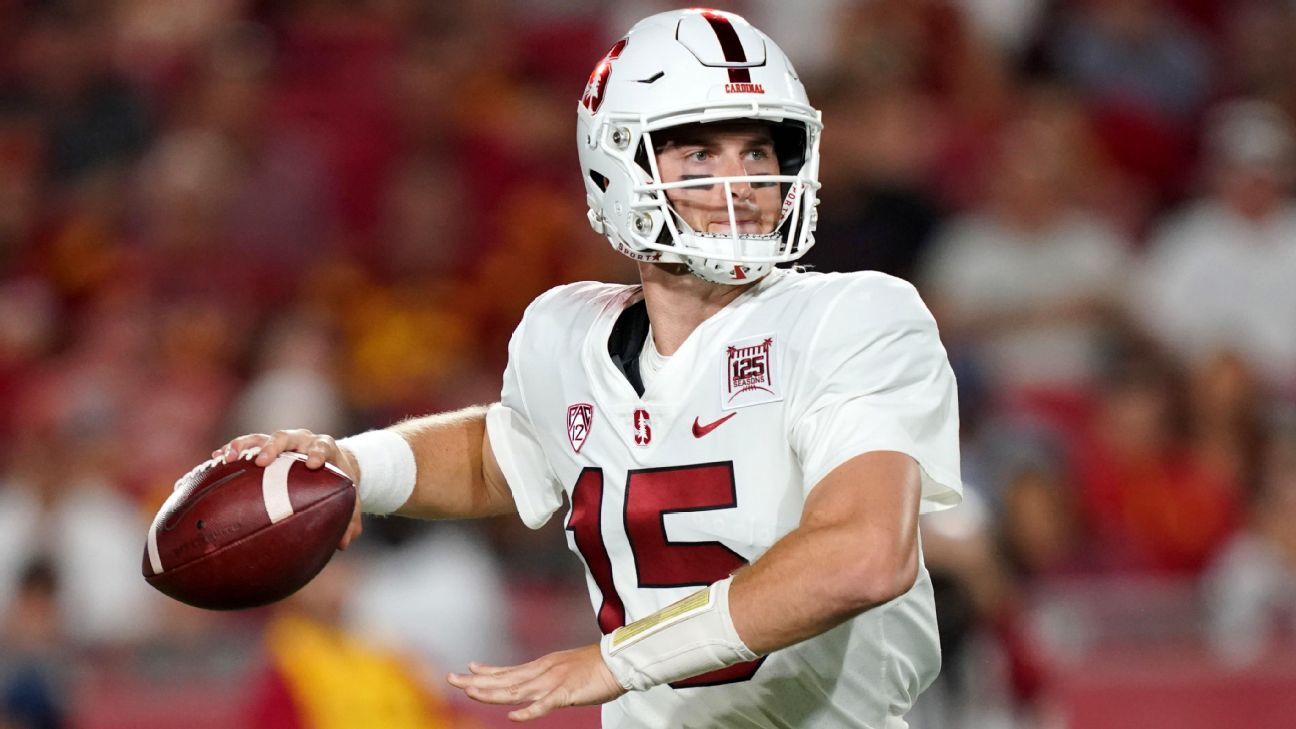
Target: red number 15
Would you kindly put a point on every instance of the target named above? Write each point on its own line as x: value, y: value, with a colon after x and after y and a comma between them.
x: 650, y: 494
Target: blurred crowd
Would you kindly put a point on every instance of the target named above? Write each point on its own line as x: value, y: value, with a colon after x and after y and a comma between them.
x: 229, y: 216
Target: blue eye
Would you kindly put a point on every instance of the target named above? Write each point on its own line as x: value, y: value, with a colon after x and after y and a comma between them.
x: 699, y: 155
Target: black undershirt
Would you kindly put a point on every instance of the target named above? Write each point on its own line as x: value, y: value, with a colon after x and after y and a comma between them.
x: 627, y: 342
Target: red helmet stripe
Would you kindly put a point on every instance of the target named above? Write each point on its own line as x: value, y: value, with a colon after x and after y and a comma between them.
x: 729, y: 44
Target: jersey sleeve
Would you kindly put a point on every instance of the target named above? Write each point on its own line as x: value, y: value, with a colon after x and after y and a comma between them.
x: 516, y: 444
x: 876, y: 378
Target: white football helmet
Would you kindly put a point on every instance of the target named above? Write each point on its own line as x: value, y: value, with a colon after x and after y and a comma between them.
x: 686, y: 67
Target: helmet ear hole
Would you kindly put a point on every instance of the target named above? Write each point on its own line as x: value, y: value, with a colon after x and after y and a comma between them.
x: 641, y: 158
x: 790, y: 143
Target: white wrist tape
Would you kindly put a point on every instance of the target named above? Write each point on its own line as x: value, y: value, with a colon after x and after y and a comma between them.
x: 387, y: 469
x: 692, y: 636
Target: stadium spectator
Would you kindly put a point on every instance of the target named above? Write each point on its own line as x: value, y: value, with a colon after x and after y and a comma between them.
x: 22, y: 175
x: 878, y: 214
x: 1024, y: 285
x: 321, y: 677
x: 1251, y: 585
x: 1037, y: 521
x: 1152, y: 504
x: 1257, y: 43
x: 93, y: 120
x: 1136, y: 52
x: 296, y: 381
x: 34, y: 661
x: 54, y: 501
x: 1146, y: 75
x: 403, y: 601
x: 229, y: 183
x: 1226, y: 417
x: 1219, y: 275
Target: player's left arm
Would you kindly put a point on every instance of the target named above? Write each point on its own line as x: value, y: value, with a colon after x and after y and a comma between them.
x: 855, y: 548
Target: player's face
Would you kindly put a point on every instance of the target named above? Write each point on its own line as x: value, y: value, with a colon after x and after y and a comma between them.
x: 721, y: 150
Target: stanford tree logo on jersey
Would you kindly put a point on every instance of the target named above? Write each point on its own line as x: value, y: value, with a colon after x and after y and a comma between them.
x: 642, y: 428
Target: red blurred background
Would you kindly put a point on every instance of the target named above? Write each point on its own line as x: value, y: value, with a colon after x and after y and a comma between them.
x: 228, y: 216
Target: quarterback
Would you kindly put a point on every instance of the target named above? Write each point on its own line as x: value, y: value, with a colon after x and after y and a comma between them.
x: 743, y: 449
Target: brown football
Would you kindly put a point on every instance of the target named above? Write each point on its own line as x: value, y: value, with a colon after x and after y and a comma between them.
x: 236, y: 535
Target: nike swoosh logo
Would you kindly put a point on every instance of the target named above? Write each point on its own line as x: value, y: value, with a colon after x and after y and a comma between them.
x: 700, y: 430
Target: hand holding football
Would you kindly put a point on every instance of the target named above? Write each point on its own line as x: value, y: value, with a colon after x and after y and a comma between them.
x: 237, y: 535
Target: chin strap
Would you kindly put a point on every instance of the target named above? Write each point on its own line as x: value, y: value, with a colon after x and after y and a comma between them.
x: 728, y: 272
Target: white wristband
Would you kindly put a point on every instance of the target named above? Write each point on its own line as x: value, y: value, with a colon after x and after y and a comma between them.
x: 692, y: 636
x: 387, y: 469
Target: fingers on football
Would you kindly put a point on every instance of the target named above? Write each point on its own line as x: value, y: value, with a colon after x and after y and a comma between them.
x: 231, y: 451
x: 283, y: 440
x: 319, y: 451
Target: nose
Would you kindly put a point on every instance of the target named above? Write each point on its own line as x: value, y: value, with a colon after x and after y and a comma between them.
x: 734, y: 167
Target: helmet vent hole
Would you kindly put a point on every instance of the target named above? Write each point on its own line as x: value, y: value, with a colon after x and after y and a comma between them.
x: 599, y: 180
x: 653, y: 78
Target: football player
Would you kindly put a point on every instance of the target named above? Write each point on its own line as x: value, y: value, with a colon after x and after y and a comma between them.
x: 744, y: 449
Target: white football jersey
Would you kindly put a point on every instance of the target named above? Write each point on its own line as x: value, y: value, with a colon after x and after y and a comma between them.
x: 679, y: 488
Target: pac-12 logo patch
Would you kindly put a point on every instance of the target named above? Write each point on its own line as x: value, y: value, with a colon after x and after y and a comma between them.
x: 749, y: 373
x: 579, y: 419
x: 642, y: 427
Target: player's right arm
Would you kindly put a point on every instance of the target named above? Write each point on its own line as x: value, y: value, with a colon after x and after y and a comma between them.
x: 455, y: 471
x: 457, y: 475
